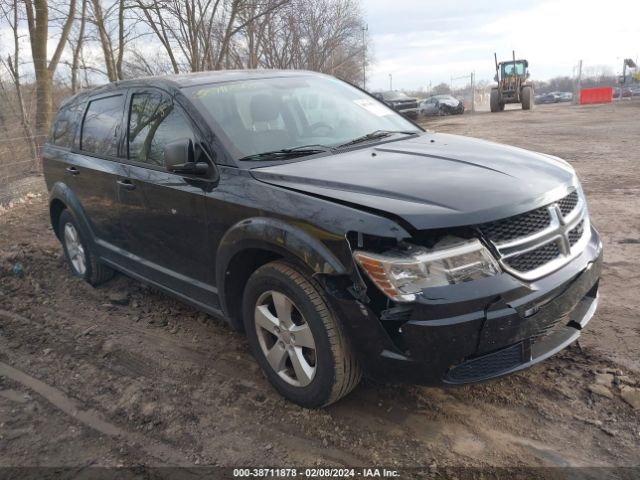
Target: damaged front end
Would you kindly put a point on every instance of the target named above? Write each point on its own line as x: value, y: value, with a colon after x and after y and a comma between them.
x: 440, y: 307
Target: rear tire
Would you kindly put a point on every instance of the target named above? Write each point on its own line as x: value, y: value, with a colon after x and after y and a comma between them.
x: 527, y: 98
x: 494, y: 101
x: 296, y: 338
x: 83, y: 262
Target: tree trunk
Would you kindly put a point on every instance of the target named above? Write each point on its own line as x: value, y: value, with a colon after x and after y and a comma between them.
x: 77, y: 50
x: 38, y: 23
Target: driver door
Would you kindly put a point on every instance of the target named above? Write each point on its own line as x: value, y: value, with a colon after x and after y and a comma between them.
x: 163, y: 214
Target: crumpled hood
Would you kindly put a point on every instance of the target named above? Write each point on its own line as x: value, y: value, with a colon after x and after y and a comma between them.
x: 433, y: 180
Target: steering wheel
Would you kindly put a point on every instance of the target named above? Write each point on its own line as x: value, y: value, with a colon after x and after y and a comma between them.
x: 312, y: 129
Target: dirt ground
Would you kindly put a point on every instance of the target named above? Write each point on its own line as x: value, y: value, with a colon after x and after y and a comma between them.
x: 124, y: 375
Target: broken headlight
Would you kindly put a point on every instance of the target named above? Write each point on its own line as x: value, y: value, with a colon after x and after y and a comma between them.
x: 403, y: 273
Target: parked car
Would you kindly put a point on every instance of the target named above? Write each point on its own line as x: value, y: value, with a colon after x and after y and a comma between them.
x: 400, y: 102
x: 340, y: 237
x: 565, y: 96
x: 627, y: 92
x: 441, y: 105
x: 547, y: 98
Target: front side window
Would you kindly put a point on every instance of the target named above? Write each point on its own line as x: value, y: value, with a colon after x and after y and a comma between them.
x: 154, y: 122
x: 270, y: 114
x: 101, y: 126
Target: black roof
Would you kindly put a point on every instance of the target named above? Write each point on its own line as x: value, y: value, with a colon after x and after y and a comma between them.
x: 182, y: 80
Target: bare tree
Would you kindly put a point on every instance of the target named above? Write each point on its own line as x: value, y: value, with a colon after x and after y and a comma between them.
x: 112, y: 43
x: 12, y: 64
x: 202, y: 31
x: 76, y: 47
x: 320, y: 35
x: 38, y: 22
x: 138, y: 64
x: 441, y: 89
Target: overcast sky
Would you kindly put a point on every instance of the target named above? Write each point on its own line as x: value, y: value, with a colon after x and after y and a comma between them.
x: 423, y: 41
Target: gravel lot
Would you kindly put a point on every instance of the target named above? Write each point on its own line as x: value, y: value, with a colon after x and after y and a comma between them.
x: 124, y: 375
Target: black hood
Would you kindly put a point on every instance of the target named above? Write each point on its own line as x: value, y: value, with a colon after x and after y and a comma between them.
x: 433, y: 180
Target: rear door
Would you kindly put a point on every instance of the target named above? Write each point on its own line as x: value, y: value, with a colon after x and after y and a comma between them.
x: 94, y: 166
x: 164, y: 228
x: 57, y: 162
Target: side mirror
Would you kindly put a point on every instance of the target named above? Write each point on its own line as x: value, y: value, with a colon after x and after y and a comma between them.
x: 495, y: 77
x: 179, y: 157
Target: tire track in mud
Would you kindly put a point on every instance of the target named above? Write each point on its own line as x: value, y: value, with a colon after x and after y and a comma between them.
x: 222, y: 368
x: 451, y: 423
x: 90, y: 418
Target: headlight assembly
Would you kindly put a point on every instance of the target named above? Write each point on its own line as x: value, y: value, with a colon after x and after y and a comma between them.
x: 403, y: 273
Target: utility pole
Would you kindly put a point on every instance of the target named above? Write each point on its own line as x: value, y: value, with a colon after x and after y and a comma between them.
x: 576, y: 93
x: 473, y: 93
x: 390, y: 83
x: 365, y: 28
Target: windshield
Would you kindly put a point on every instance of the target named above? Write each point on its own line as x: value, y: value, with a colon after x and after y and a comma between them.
x: 507, y: 69
x: 264, y: 115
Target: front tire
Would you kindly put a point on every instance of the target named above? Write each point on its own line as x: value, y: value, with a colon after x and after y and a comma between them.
x: 296, y: 338
x: 81, y: 259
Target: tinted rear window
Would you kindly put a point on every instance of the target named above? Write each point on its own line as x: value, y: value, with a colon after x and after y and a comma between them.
x: 65, y: 124
x: 101, y: 127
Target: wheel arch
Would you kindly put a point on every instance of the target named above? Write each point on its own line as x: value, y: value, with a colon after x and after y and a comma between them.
x: 254, y: 242
x: 62, y: 198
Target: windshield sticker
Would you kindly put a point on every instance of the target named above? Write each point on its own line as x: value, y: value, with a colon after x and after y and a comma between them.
x: 373, y: 107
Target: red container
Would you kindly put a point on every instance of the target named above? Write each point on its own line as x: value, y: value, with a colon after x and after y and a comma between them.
x: 596, y: 95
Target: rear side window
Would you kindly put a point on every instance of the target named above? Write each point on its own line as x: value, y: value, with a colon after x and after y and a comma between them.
x: 153, y: 122
x: 101, y: 126
x: 65, y: 124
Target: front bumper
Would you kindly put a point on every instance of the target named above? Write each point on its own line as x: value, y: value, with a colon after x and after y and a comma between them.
x: 410, y: 112
x: 480, y: 330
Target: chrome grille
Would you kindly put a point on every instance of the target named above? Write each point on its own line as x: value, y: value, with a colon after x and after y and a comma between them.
x: 536, y: 243
x: 518, y: 226
x: 533, y: 259
x: 576, y: 233
x: 568, y: 203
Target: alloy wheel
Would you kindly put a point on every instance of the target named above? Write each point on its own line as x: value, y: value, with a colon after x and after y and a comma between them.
x: 75, y: 250
x: 285, y: 338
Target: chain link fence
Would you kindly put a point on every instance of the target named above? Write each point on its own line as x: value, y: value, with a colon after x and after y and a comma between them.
x: 20, y: 169
x: 20, y: 165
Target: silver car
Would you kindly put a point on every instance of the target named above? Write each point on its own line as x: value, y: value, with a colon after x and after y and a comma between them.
x: 441, y: 105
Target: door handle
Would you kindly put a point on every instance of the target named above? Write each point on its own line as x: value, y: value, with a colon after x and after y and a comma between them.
x: 126, y: 184
x: 72, y: 170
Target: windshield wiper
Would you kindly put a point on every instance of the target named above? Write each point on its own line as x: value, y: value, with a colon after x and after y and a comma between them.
x: 375, y: 135
x: 285, y: 153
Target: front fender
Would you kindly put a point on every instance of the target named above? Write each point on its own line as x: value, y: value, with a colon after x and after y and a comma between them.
x: 285, y: 239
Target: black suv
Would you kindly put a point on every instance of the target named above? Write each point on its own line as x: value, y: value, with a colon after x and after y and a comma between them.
x: 400, y: 102
x: 341, y: 237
